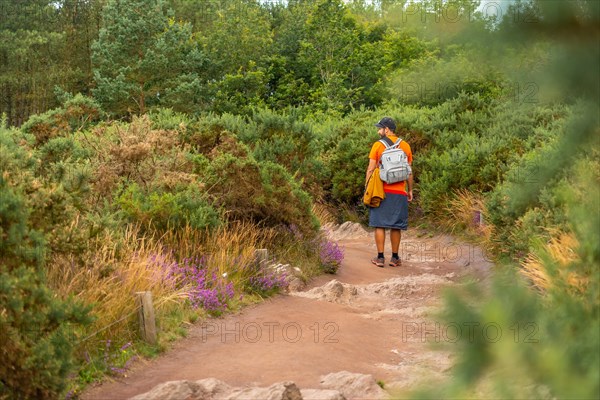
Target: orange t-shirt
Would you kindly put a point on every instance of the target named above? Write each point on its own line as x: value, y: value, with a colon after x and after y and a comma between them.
x: 375, y: 154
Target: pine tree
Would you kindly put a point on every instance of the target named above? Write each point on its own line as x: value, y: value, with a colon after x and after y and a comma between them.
x: 143, y: 58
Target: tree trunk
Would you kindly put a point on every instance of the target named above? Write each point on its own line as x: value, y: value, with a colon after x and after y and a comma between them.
x: 142, y: 99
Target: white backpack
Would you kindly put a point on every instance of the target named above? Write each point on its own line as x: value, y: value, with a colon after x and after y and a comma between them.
x: 394, y: 165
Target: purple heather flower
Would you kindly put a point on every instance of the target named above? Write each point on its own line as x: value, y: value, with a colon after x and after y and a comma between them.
x: 267, y: 281
x: 210, y: 294
x: 331, y: 255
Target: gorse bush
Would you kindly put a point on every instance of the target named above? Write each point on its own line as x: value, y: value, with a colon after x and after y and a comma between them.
x: 253, y: 190
x: 36, y: 328
x: 155, y: 177
x: 77, y: 113
x: 164, y: 210
x: 464, y: 143
x: 281, y: 138
x: 166, y: 118
x: 475, y: 150
x: 288, y: 141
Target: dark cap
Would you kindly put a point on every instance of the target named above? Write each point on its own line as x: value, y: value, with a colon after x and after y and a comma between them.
x: 386, y: 122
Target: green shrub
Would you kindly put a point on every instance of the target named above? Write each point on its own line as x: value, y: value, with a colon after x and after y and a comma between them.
x: 262, y: 192
x: 57, y: 180
x: 61, y: 149
x: 36, y: 328
x: 164, y: 210
x: 289, y: 141
x: 77, y: 113
x: 284, y: 139
x: 240, y: 93
x: 166, y: 118
x: 345, y: 152
x: 546, y: 346
x: 285, y: 201
x: 205, y: 133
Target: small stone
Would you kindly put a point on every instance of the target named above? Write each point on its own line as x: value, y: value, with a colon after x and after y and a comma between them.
x: 296, y: 285
x: 321, y: 394
x: 354, y: 386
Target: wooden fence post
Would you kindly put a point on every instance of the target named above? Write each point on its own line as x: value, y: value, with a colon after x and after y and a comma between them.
x: 261, y: 256
x: 146, y: 315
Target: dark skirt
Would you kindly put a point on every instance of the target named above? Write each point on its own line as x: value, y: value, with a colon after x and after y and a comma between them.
x: 392, y: 213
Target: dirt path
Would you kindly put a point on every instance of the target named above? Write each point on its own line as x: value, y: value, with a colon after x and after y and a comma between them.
x: 364, y: 320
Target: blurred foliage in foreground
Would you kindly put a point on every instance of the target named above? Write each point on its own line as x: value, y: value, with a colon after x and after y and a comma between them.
x: 549, y: 346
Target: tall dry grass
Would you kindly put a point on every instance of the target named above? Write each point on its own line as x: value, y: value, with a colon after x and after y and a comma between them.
x: 323, y: 214
x: 228, y: 249
x: 116, y: 267
x: 559, y: 253
x: 466, y: 212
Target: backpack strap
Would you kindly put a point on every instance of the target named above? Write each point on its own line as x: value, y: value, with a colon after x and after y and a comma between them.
x: 387, y: 142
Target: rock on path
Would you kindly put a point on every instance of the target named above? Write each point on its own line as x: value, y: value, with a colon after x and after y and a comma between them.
x: 338, y: 386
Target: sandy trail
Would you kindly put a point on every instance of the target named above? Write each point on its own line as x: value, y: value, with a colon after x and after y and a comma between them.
x: 364, y: 319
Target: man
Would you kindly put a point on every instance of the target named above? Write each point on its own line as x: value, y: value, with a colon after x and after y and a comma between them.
x: 392, y: 213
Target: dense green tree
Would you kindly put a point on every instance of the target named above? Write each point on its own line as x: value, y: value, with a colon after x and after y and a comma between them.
x: 30, y: 49
x: 331, y: 59
x: 79, y: 21
x: 289, y: 80
x: 239, y: 37
x: 44, y: 44
x: 144, y: 58
x: 241, y: 92
x: 28, y: 69
x: 332, y: 39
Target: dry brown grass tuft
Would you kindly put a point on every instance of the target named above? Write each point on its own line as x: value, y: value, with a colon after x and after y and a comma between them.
x: 466, y: 211
x: 323, y: 214
x: 562, y: 252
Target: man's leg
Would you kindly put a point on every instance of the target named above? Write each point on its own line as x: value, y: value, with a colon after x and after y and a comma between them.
x: 395, y: 236
x: 380, y: 239
x: 380, y: 243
